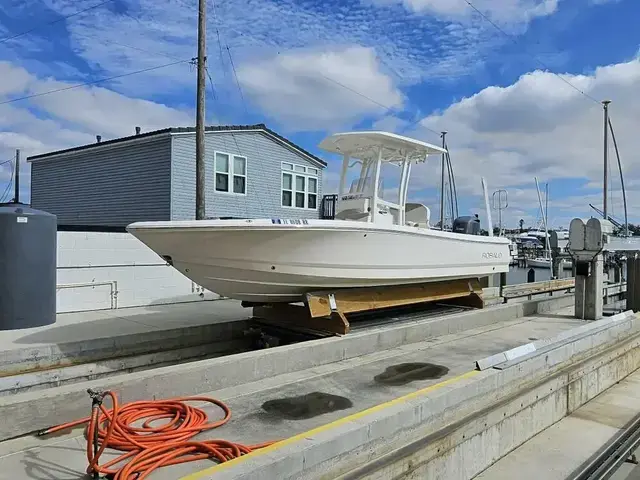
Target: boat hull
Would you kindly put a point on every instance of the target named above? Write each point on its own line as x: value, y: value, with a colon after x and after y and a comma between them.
x: 544, y: 263
x: 266, y: 261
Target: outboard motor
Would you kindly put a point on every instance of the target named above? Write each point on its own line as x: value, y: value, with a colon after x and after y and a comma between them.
x: 467, y: 224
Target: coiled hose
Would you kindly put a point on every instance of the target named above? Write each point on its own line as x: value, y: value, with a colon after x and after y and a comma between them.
x: 148, y: 447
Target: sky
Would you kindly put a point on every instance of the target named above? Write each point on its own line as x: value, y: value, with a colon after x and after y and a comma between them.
x: 517, y: 85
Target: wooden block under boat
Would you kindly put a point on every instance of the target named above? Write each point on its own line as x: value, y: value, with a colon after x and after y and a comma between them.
x: 317, y: 313
x: 291, y: 315
x: 464, y: 291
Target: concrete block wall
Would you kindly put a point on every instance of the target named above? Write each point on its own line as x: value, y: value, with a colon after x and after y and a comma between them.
x: 98, y: 270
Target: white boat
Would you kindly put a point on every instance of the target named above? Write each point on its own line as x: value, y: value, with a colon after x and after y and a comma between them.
x: 543, y: 262
x: 372, y: 242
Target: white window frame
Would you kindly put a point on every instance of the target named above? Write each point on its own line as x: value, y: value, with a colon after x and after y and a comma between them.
x: 306, y: 173
x: 231, y: 174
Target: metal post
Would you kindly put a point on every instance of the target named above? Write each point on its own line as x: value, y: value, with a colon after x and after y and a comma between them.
x: 376, y: 186
x: 200, y: 91
x: 605, y: 104
x: 16, y: 196
x: 631, y: 281
x: 635, y: 285
x: 442, y: 185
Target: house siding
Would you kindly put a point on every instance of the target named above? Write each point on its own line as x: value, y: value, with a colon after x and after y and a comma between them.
x: 264, y: 158
x: 113, y: 186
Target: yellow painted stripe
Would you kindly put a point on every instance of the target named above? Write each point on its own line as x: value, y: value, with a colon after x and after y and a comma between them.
x: 323, y: 428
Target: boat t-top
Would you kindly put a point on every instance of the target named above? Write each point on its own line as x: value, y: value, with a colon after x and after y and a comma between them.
x: 372, y: 242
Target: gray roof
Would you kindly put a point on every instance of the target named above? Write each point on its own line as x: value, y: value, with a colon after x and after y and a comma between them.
x: 211, y: 128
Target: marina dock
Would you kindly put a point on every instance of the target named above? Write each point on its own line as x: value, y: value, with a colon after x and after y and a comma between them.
x: 389, y: 398
x: 358, y: 368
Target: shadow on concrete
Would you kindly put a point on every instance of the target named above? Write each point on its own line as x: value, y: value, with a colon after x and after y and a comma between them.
x: 37, y: 468
x: 123, y: 322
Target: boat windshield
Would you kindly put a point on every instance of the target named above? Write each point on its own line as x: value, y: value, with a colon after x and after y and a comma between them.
x: 365, y: 186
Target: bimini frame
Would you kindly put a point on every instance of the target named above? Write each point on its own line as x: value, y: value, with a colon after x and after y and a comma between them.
x: 372, y: 149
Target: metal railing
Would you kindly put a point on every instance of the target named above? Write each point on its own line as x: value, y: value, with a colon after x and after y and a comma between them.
x: 536, y: 288
x: 619, y: 451
x: 550, y: 286
x: 328, y: 209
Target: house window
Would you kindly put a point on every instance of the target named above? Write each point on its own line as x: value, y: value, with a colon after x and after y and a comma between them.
x: 231, y: 173
x: 239, y: 175
x: 299, y: 186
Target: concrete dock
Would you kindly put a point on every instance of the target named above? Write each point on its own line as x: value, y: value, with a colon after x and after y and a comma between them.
x: 85, y: 345
x: 561, y: 449
x: 383, y: 402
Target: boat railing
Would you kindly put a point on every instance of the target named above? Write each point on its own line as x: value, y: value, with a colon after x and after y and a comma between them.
x: 328, y: 208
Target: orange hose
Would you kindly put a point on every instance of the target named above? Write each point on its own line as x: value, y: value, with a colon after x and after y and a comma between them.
x: 149, y: 447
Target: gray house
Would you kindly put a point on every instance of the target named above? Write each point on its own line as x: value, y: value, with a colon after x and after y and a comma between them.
x: 251, y: 172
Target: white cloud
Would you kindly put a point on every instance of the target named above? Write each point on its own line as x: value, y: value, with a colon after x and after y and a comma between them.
x: 139, y: 34
x: 14, y: 80
x: 540, y: 126
x: 311, y: 89
x: 124, y: 113
x: 500, y: 11
x: 69, y: 118
x: 389, y: 124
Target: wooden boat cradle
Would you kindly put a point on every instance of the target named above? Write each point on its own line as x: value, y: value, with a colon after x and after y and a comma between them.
x: 327, y: 311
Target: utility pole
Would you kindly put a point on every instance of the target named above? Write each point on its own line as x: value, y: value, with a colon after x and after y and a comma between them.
x: 16, y: 196
x: 200, y: 92
x: 442, y: 184
x: 605, y: 104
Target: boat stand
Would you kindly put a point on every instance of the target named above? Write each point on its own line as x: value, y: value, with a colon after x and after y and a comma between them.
x: 327, y: 311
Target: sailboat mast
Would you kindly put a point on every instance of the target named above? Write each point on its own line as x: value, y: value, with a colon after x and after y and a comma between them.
x: 624, y: 192
x: 605, y: 105
x: 546, y: 218
x: 442, y: 200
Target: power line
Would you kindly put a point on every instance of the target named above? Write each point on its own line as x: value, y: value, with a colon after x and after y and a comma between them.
x: 389, y: 109
x: 70, y: 87
x: 233, y: 67
x: 213, y: 90
x: 360, y: 94
x: 6, y: 190
x: 244, y: 104
x: 57, y: 20
x: 352, y: 90
x: 515, y: 41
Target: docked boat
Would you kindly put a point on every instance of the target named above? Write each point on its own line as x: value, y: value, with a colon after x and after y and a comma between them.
x: 372, y: 241
x: 545, y: 262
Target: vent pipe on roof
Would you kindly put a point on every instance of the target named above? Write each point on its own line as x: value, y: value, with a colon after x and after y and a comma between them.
x: 137, y: 130
x: 98, y: 138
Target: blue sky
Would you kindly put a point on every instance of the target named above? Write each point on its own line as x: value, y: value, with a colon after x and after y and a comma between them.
x: 309, y: 68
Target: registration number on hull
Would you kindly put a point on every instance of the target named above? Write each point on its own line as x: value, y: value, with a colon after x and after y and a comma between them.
x: 287, y: 221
